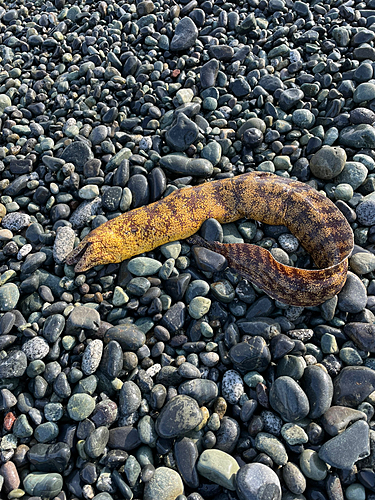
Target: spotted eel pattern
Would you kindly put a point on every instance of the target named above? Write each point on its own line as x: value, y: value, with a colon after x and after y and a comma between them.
x: 317, y: 223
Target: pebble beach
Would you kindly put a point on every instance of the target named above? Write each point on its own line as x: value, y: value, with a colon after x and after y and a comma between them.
x: 169, y: 376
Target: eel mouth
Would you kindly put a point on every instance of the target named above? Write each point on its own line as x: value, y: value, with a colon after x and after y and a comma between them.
x: 79, y: 256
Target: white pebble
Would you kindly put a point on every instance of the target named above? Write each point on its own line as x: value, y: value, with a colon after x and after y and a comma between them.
x: 92, y: 356
x: 232, y: 386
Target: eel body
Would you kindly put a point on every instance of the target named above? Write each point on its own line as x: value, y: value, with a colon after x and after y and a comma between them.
x: 317, y: 223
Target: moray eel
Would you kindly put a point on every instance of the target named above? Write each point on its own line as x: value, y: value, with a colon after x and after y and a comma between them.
x: 317, y: 223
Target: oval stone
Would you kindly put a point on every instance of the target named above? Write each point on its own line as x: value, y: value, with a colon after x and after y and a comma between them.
x: 219, y: 467
x: 130, y: 337
x: 288, y: 399
x: 43, y: 485
x: 257, y: 482
x: 318, y: 388
x: 165, y: 485
x: 179, y: 416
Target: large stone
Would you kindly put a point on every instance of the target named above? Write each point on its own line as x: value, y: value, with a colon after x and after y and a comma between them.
x: 219, y: 467
x: 166, y: 484
x: 257, y: 482
x: 344, y: 450
x: 179, y: 416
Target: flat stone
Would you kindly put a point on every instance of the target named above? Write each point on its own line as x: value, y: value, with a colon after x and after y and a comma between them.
x: 49, y: 457
x: 183, y: 132
x: 124, y: 438
x: 218, y: 467
x: 179, y: 416
x: 353, y: 385
x: 186, y: 455
x: 358, y: 136
x: 184, y: 36
x: 344, y: 450
x: 312, y: 466
x: 202, y: 390
x: 337, y: 418
x: 251, y: 355
x: 362, y: 334
x: 130, y: 337
x: 77, y: 153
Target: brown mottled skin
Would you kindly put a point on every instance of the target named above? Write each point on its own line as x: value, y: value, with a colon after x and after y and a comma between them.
x: 318, y: 224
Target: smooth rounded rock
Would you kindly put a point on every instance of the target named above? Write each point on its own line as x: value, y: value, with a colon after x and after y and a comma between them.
x: 179, y: 416
x: 41, y: 484
x: 318, y: 387
x: 288, y: 399
x: 257, y: 482
x: 218, y: 467
x: 165, y: 485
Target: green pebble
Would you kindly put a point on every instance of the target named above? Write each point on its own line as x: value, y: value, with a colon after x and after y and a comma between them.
x: 294, y: 434
x: 18, y: 493
x: 144, y: 455
x: 22, y: 428
x: 252, y: 379
x: 312, y: 466
x: 171, y: 250
x: 143, y: 266
x: 80, y: 406
x: 355, y: 491
x: 199, y: 306
x: 43, y: 485
x: 44, y: 433
x: 209, y: 103
x: 343, y: 192
x: 350, y: 356
x: 218, y: 467
x: 9, y: 296
x: 120, y: 297
x: 53, y: 411
x: 212, y: 151
x: 223, y: 291
x: 35, y: 368
x: 68, y: 342
x: 328, y: 344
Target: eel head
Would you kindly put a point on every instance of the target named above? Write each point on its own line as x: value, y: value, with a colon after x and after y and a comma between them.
x: 94, y: 250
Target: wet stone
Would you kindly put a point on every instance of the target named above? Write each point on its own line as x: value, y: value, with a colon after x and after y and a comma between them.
x: 288, y: 399
x: 185, y: 35
x: 42, y: 484
x: 251, y: 355
x: 228, y: 435
x: 318, y: 387
x: 80, y: 406
x: 179, y: 416
x: 186, y: 454
x: 130, y: 337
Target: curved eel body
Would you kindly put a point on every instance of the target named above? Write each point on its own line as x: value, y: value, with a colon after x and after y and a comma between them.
x: 317, y: 223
